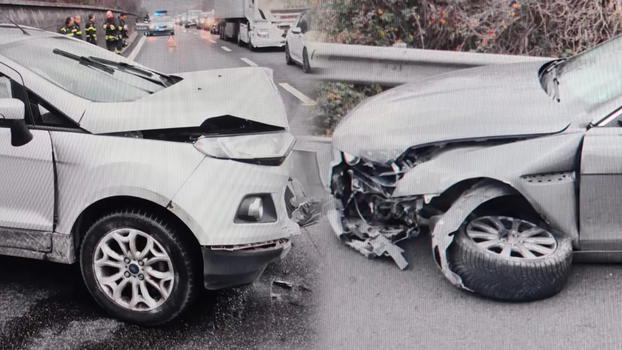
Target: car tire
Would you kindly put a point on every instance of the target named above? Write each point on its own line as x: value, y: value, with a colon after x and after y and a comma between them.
x: 148, y: 290
x: 239, y: 41
x: 306, y: 65
x: 251, y: 46
x: 288, y: 56
x: 510, y: 278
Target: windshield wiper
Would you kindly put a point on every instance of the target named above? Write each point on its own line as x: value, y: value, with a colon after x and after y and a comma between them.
x: 84, y: 61
x: 130, y: 69
x: 165, y: 79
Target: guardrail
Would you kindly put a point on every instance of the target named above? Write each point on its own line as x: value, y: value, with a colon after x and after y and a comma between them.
x: 394, y: 66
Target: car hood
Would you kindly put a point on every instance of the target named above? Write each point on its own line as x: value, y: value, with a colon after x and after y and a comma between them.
x: 487, y: 102
x: 247, y: 93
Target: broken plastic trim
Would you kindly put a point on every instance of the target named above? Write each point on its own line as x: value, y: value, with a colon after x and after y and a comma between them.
x: 365, y: 216
x: 251, y: 246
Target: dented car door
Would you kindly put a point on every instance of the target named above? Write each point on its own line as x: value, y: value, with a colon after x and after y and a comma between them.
x: 601, y: 189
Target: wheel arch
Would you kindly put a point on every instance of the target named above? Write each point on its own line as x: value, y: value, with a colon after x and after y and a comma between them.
x: 109, y: 204
x: 514, y: 198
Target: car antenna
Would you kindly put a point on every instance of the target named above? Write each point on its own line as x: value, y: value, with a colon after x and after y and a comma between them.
x: 18, y: 27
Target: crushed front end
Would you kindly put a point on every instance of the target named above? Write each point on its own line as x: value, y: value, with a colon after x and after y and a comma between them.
x: 363, y: 212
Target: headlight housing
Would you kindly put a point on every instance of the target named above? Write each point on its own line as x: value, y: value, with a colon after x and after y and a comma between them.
x: 262, y: 33
x: 265, y: 148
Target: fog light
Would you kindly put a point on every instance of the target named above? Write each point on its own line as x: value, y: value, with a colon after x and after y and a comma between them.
x: 251, y: 209
x: 257, y: 208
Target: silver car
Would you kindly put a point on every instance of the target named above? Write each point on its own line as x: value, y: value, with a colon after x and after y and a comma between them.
x: 513, y: 169
x: 156, y: 184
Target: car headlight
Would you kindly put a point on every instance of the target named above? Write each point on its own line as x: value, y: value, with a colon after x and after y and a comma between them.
x: 262, y: 33
x: 270, y: 148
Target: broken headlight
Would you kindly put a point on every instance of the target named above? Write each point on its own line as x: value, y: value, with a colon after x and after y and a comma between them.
x: 265, y: 148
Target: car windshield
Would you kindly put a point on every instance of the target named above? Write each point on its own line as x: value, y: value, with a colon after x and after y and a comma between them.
x: 76, y: 75
x: 592, y: 77
x: 162, y: 19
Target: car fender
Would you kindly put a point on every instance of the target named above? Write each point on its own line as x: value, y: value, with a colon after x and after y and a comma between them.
x: 94, y: 167
x: 443, y: 227
x: 541, y: 169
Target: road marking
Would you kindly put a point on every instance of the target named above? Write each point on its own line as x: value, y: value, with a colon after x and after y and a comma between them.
x: 225, y: 48
x: 137, y: 49
x: 306, y: 100
x: 211, y: 40
x: 249, y: 62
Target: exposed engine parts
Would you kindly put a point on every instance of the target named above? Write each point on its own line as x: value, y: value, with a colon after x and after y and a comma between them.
x: 372, y: 221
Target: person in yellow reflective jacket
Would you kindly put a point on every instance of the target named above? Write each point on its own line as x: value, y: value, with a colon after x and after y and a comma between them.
x: 66, y: 28
x: 75, y: 28
x: 91, y: 30
x: 123, y: 32
x: 112, y: 33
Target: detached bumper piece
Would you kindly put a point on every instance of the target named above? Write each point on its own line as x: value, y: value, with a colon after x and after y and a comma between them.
x: 365, y: 216
x: 234, y: 266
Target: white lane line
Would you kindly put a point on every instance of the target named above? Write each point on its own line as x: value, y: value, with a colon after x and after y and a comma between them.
x: 137, y: 49
x: 211, y: 40
x: 249, y: 62
x: 225, y: 48
x: 306, y: 100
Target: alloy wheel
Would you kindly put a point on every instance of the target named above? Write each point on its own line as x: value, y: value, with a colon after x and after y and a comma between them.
x: 133, y: 269
x: 511, y: 237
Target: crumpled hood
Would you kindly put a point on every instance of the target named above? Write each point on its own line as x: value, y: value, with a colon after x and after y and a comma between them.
x: 247, y: 93
x: 486, y: 102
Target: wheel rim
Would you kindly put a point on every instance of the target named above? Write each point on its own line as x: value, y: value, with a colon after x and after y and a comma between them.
x: 511, y: 237
x: 133, y: 269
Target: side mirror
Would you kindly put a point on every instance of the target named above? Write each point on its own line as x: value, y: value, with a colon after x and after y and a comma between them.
x: 297, y: 30
x: 12, y: 114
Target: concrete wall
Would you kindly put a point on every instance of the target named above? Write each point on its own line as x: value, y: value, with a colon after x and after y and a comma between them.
x: 51, y: 16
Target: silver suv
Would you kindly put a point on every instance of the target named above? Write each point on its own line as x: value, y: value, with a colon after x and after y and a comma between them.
x: 156, y: 184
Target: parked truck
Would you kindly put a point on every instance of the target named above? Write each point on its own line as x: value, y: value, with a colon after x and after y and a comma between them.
x: 258, y: 23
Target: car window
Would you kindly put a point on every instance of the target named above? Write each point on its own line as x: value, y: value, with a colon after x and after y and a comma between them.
x: 81, y: 80
x: 44, y: 114
x: 5, y: 87
x: 593, y: 77
x: 304, y: 24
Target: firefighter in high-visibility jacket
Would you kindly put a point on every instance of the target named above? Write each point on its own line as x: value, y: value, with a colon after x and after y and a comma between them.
x: 75, y: 28
x: 123, y: 32
x: 112, y: 33
x: 91, y: 30
x: 66, y: 28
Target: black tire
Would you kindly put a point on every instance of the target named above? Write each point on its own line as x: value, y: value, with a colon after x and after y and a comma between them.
x: 510, y: 279
x: 251, y: 46
x: 288, y: 56
x: 306, y: 65
x: 240, y: 42
x: 184, y: 258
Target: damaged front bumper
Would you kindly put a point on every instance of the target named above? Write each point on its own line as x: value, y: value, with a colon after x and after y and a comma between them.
x: 362, y: 212
x: 234, y: 266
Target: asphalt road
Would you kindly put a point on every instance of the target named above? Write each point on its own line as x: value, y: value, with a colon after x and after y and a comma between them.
x: 371, y: 304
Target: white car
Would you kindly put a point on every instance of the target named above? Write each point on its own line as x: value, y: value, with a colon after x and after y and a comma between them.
x: 156, y: 184
x: 297, y: 50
